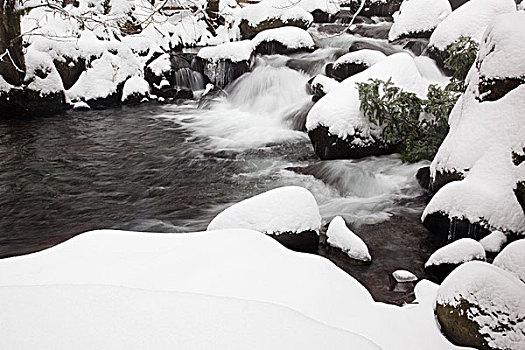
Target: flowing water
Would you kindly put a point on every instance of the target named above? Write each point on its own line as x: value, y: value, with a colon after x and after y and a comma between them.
x: 172, y: 168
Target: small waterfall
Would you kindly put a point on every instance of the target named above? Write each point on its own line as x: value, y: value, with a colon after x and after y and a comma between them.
x: 185, y: 78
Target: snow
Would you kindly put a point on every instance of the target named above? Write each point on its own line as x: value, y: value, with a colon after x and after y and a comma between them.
x: 402, y: 276
x: 494, y: 242
x: 112, y: 317
x: 289, y: 209
x: 273, y: 9
x: 323, y: 83
x: 418, y: 16
x: 469, y: 20
x: 502, y: 52
x: 340, y: 236
x: 499, y: 297
x: 136, y: 85
x: 113, y: 271
x: 291, y: 37
x: 236, y: 51
x: 38, y: 61
x: 366, y: 56
x: 512, y: 259
x: 339, y: 109
x: 160, y: 65
x: 457, y: 252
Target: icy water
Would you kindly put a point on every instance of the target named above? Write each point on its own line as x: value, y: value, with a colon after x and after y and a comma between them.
x: 172, y: 168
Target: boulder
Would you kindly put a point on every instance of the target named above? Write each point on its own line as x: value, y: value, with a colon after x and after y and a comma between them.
x: 375, y: 45
x: 481, y: 306
x: 353, y: 63
x: 284, y: 41
x: 448, y: 228
x: 320, y: 85
x: 24, y: 102
x: 70, y: 69
x: 444, y: 260
x: 493, y: 243
x: 288, y: 214
x: 512, y: 259
x: 340, y: 236
x: 373, y: 7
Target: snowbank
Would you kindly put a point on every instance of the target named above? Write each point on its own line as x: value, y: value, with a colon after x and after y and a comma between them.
x: 366, y: 56
x: 339, y: 109
x: 512, y: 259
x: 495, y: 302
x: 290, y: 37
x: 469, y: 20
x: 502, y: 53
x: 236, y: 51
x: 288, y: 209
x: 230, y: 265
x: 494, y: 242
x: 418, y: 16
x: 458, y: 252
x: 135, y: 85
x: 340, y: 236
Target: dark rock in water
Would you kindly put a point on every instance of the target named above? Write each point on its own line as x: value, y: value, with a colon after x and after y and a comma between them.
x: 306, y: 242
x: 375, y: 31
x: 447, y: 229
x: 22, y: 102
x: 305, y: 65
x: 437, y: 273
x: 456, y: 3
x: 328, y: 146
x: 345, y: 16
x: 224, y: 72
x: 274, y: 47
x: 494, y: 89
x: 374, y: 8
x: 175, y: 94
x: 322, y: 17
x: 316, y: 88
x: 249, y: 31
x: 70, y: 70
x: 417, y: 45
x: 377, y: 45
x: 423, y: 177
x: 444, y: 177
x: 344, y: 70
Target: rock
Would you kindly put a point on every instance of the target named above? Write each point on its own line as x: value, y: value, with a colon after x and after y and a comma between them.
x: 288, y: 214
x: 447, y: 229
x: 481, y: 306
x: 321, y: 16
x: 512, y: 259
x: 353, y: 63
x: 443, y: 177
x: 329, y: 147
x: 494, y: 89
x: 418, y: 46
x: 70, y: 70
x: 340, y: 236
x: 404, y: 276
x: 423, y: 177
x: 24, y: 102
x: 519, y: 191
x: 375, y: 45
x: 456, y: 3
x: 374, y: 30
x: 320, y: 85
x: 306, y: 65
x: 444, y: 260
x: 493, y: 243
x: 374, y: 8
x: 284, y: 41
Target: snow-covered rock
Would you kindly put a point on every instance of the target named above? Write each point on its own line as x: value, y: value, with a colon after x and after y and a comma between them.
x: 458, y: 252
x: 469, y: 20
x: 494, y: 242
x: 270, y: 14
x: 481, y: 306
x: 354, y: 62
x: 290, y: 214
x: 320, y: 85
x: 340, y: 236
x: 106, y: 283
x: 404, y: 276
x: 135, y: 88
x: 337, y: 127
x: 226, y: 62
x: 417, y: 18
x: 283, y: 40
x: 512, y: 259
x: 382, y: 8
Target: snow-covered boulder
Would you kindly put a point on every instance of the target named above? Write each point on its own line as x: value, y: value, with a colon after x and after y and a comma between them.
x: 340, y: 236
x: 337, y: 127
x: 494, y: 242
x: 270, y: 14
x: 135, y: 89
x: 289, y: 214
x: 381, y: 8
x: 224, y: 63
x: 501, y: 62
x: 418, y: 18
x: 512, y: 259
x: 469, y: 20
x: 320, y: 85
x: 283, y: 40
x: 353, y: 63
x: 481, y: 306
x: 447, y: 258
x: 404, y: 276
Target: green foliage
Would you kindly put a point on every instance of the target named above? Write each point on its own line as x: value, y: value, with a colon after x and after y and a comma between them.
x: 399, y: 114
x: 461, y: 56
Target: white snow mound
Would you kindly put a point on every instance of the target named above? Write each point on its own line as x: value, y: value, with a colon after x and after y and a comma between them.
x: 494, y: 242
x: 340, y: 236
x: 402, y: 276
x: 512, y: 259
x: 457, y: 252
x: 418, y: 16
x: 291, y: 37
x: 135, y: 85
x: 289, y: 209
x: 469, y: 20
x: 366, y: 56
x: 236, y: 51
x: 273, y: 10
